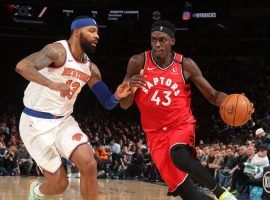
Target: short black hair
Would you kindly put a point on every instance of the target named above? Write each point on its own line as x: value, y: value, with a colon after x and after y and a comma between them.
x: 164, y: 23
x: 264, y: 147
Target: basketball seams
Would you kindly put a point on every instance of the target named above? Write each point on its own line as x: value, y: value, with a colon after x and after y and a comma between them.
x: 236, y: 106
x: 233, y: 111
x: 247, y: 104
x: 224, y: 106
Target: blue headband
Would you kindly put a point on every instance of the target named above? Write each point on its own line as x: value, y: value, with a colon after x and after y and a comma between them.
x: 83, y: 22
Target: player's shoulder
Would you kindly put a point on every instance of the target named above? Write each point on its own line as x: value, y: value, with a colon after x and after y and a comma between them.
x: 138, y: 56
x: 189, y: 62
x: 54, y: 50
x: 137, y: 59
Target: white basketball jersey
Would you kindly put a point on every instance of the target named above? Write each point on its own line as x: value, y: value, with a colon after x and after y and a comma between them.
x: 73, y: 73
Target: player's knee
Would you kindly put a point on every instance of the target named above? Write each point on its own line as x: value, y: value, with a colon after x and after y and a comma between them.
x: 60, y: 186
x: 180, y: 158
x: 89, y: 167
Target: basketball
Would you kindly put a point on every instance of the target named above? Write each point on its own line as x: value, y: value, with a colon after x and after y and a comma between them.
x: 236, y: 110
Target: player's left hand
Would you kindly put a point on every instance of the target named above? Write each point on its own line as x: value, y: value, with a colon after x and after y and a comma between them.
x: 122, y: 91
x: 137, y: 81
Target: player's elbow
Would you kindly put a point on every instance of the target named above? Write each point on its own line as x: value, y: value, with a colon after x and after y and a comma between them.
x: 20, y: 67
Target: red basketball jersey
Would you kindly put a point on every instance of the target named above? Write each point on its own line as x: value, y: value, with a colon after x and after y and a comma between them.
x: 165, y: 101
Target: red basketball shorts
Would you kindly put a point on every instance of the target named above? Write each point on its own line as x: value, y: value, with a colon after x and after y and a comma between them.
x: 160, y: 143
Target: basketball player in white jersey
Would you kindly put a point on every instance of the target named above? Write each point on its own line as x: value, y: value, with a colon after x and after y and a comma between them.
x: 56, y: 74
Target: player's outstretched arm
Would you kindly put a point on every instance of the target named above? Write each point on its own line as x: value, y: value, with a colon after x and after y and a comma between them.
x: 102, y: 92
x: 29, y: 66
x: 193, y: 72
x: 134, y: 77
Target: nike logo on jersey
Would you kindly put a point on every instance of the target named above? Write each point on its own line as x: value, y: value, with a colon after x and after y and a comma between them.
x: 150, y: 68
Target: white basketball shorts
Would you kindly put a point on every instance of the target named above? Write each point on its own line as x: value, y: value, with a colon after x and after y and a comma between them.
x: 48, y: 139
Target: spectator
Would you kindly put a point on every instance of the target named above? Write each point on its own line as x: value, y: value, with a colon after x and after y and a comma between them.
x: 25, y: 160
x: 13, y: 141
x: 217, y: 163
x: 210, y: 160
x: 206, y: 152
x: 137, y: 163
x: 260, y: 160
x: 201, y: 157
x: 227, y: 166
x: 3, y: 154
x: 103, y: 160
x: 238, y: 175
x: 11, y: 161
x: 263, y: 137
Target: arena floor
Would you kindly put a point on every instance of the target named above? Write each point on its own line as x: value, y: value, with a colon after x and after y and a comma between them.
x: 16, y: 188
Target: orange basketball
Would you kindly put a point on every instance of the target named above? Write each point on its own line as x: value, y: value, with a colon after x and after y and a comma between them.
x: 236, y: 110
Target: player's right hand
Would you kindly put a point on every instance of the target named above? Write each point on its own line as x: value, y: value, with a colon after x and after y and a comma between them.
x: 62, y: 87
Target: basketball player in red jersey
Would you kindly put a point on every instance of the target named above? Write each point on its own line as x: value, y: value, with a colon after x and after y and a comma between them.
x: 161, y: 77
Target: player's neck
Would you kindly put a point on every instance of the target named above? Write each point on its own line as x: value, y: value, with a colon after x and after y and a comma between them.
x: 163, y: 62
x: 76, y: 50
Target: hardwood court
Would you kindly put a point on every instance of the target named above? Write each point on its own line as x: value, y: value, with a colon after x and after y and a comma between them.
x: 16, y: 188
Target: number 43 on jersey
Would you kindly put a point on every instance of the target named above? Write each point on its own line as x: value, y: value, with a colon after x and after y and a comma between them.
x: 156, y: 97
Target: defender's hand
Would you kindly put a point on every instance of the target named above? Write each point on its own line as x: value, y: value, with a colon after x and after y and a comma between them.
x: 122, y: 91
x: 62, y: 87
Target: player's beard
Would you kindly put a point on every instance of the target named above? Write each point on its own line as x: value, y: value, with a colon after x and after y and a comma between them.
x: 86, y: 46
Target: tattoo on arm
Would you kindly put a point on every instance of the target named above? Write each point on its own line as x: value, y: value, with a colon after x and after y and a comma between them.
x: 45, y: 57
x: 29, y: 66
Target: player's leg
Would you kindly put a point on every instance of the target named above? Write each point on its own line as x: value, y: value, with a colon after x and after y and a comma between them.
x: 181, y: 156
x: 54, y: 183
x: 83, y: 157
x: 188, y: 191
x: 38, y: 135
x: 71, y: 143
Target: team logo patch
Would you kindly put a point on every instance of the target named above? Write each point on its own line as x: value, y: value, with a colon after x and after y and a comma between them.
x: 174, y: 71
x: 77, y: 137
